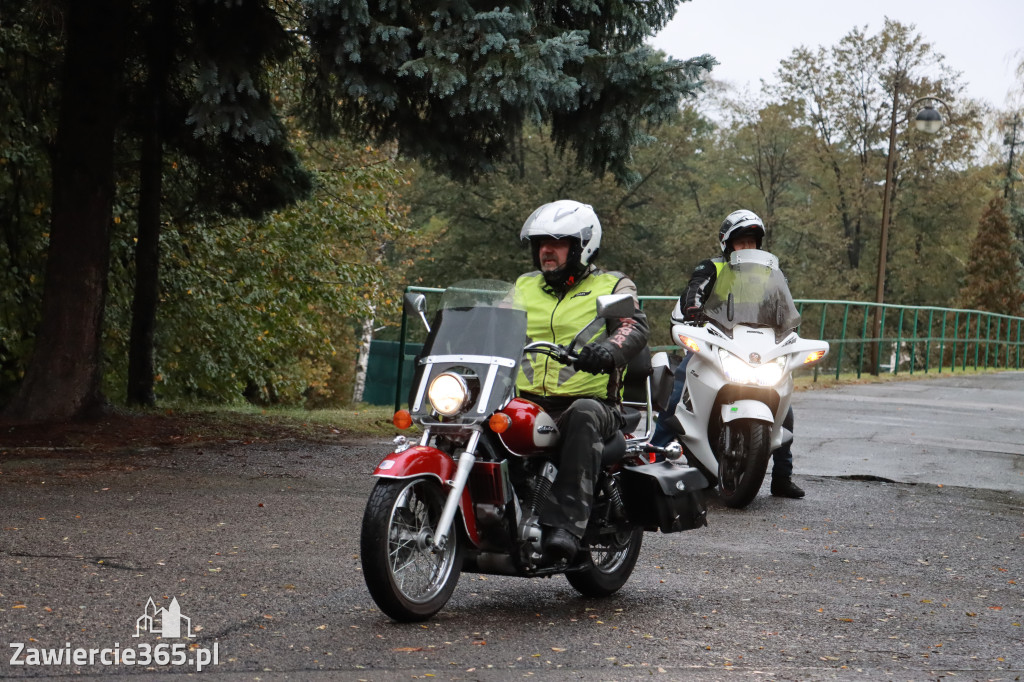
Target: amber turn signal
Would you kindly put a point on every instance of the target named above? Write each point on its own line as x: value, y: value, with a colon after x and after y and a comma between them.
x: 815, y: 356
x: 689, y: 343
x: 402, y: 419
x: 499, y: 422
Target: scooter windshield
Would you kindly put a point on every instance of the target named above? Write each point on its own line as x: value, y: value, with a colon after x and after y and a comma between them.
x: 478, y: 335
x: 751, y: 290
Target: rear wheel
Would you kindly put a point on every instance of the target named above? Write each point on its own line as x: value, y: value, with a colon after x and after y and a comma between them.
x: 607, y: 568
x: 408, y: 579
x: 743, y: 461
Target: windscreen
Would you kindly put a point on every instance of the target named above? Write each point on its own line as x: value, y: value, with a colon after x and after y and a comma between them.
x: 751, y: 290
x: 479, y: 332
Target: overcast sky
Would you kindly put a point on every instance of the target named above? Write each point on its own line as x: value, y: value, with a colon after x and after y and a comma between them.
x: 983, y: 39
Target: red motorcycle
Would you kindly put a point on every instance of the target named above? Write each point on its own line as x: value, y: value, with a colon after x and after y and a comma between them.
x: 466, y: 496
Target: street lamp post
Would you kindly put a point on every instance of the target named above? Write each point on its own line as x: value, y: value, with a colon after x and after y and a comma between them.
x: 927, y: 120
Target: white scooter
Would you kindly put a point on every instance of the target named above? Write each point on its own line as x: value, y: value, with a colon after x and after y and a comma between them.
x: 739, y: 378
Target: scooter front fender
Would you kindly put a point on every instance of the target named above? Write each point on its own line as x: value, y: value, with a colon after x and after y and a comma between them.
x: 423, y: 460
x: 747, y: 409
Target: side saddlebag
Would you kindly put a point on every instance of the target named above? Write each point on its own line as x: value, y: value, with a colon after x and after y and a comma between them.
x: 664, y: 496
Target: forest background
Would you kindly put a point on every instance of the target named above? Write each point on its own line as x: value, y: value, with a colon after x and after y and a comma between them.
x: 275, y: 298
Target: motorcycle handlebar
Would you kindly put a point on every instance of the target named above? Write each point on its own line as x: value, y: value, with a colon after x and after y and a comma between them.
x: 552, y: 350
x: 558, y: 353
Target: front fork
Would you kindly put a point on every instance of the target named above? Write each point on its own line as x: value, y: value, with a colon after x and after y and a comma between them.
x: 457, y: 485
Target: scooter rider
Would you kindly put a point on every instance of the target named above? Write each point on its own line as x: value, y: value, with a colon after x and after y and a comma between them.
x: 560, y: 299
x: 740, y: 230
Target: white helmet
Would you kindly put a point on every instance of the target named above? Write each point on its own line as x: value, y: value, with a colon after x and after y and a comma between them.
x: 565, y: 219
x: 741, y: 223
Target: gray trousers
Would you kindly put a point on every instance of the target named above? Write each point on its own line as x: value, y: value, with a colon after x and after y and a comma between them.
x: 584, y: 428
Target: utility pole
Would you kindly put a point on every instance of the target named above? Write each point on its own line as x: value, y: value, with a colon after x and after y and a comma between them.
x: 1011, y: 141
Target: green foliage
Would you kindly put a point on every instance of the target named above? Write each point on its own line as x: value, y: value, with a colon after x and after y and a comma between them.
x: 809, y: 156
x: 848, y: 93
x: 271, y: 307
x: 264, y: 309
x: 994, y: 281
x: 454, y: 82
x: 28, y: 60
x: 212, y: 72
x: 651, y: 231
x: 848, y: 96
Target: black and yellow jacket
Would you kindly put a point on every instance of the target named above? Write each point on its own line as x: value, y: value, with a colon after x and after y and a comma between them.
x: 558, y: 316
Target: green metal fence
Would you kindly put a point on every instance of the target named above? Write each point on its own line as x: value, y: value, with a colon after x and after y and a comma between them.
x: 914, y: 338
x: 911, y: 338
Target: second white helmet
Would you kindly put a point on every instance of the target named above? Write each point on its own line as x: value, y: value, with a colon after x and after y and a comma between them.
x: 740, y: 223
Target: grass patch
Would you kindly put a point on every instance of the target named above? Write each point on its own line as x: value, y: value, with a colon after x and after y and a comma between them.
x: 323, y: 424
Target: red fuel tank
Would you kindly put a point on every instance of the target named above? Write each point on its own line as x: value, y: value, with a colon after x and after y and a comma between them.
x: 532, y: 432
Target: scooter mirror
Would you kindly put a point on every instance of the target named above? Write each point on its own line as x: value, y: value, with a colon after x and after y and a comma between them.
x: 416, y: 305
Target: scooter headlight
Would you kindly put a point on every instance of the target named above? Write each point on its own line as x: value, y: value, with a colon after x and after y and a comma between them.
x: 739, y: 372
x: 448, y: 394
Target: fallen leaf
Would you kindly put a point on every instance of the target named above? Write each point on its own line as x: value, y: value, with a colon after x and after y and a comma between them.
x: 409, y: 648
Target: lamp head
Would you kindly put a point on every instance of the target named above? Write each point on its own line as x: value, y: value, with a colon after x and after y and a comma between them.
x: 928, y: 120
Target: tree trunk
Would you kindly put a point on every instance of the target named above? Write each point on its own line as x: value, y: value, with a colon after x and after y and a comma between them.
x: 147, y: 272
x: 366, y: 339
x: 364, y: 359
x: 147, y: 247
x: 63, y: 378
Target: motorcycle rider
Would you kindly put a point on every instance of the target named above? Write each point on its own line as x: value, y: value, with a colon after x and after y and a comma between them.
x: 560, y: 299
x: 740, y: 230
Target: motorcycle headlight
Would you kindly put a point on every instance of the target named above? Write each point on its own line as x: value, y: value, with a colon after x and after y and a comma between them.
x: 448, y: 394
x: 739, y: 372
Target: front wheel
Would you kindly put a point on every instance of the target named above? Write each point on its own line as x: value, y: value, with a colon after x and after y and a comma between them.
x: 743, y: 461
x: 408, y: 579
x: 608, y: 567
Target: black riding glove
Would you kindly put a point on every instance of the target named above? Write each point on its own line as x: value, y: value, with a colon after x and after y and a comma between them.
x: 594, y: 359
x: 691, y: 314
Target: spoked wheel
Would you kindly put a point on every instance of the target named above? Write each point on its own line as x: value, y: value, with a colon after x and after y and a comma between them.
x: 608, y: 567
x: 408, y: 579
x: 742, y: 463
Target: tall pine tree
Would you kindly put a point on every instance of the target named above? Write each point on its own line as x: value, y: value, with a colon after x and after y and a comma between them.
x: 994, y: 282
x: 454, y: 82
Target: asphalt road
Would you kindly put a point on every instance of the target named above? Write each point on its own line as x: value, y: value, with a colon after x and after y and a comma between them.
x: 904, y: 561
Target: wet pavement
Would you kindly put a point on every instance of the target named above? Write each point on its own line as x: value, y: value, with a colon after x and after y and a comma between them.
x: 904, y: 561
